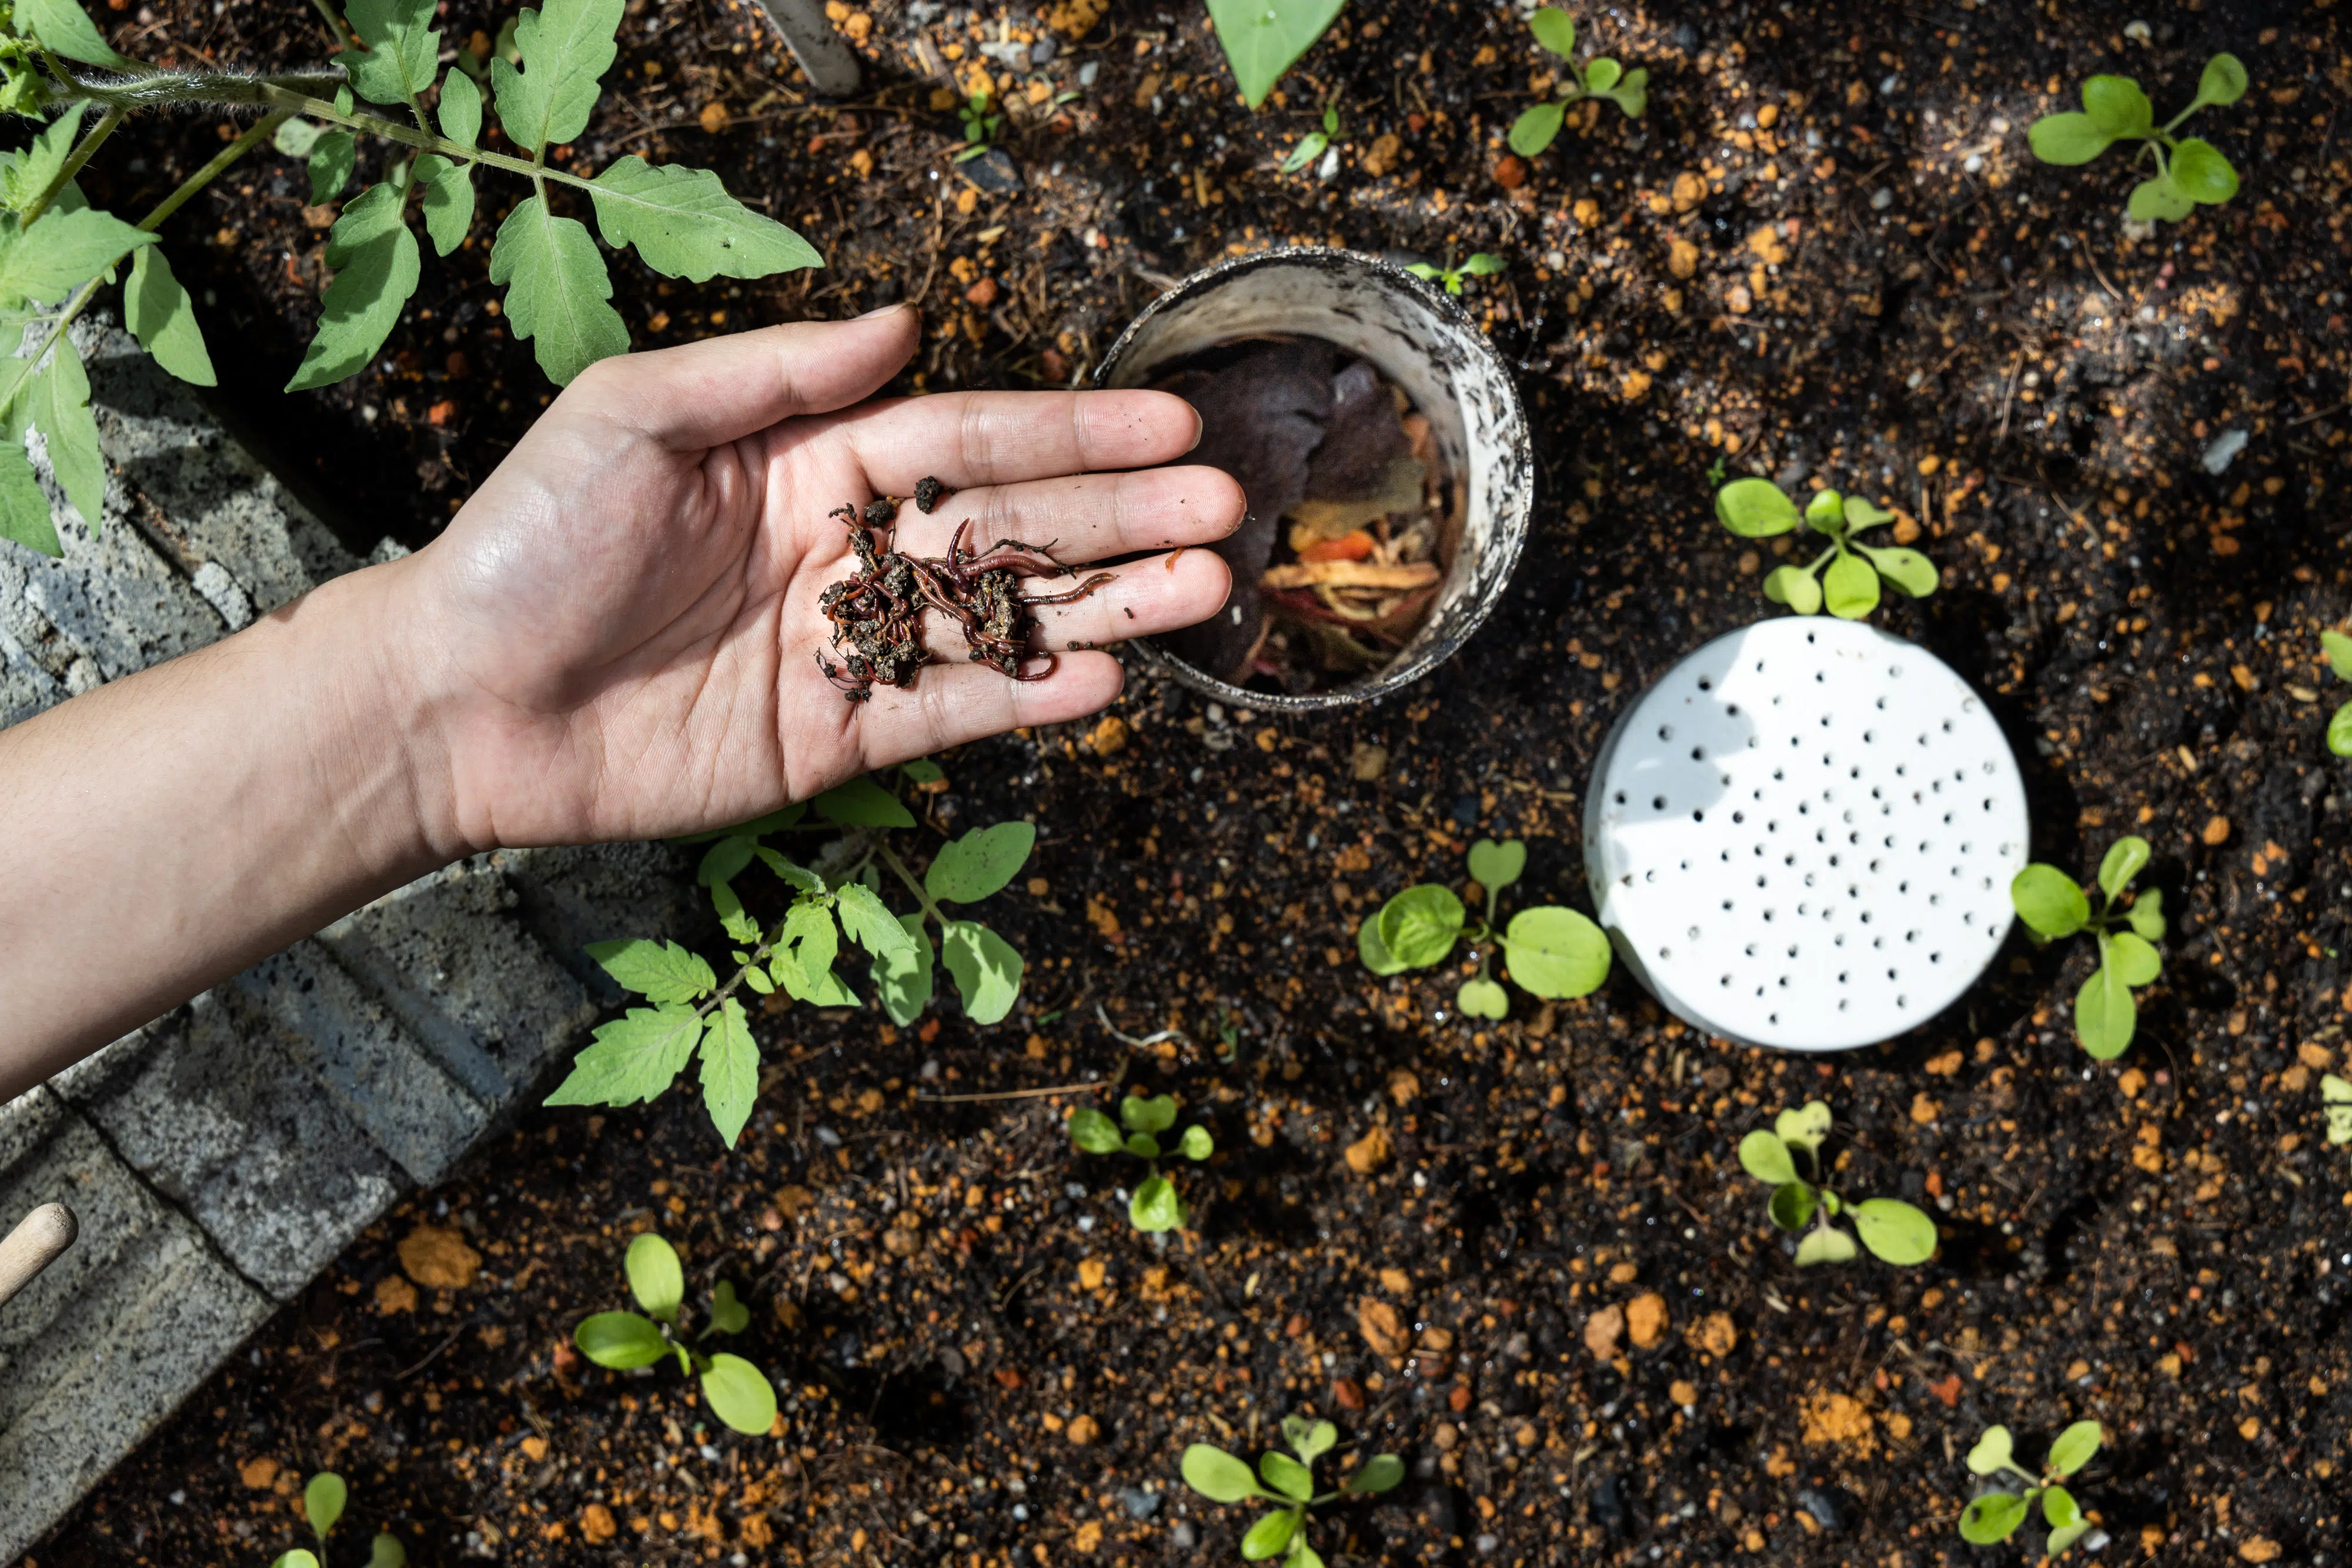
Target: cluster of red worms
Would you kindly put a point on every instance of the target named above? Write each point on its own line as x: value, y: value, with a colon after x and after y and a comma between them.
x: 877, y: 610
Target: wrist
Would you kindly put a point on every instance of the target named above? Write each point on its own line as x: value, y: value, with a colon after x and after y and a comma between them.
x: 379, y: 722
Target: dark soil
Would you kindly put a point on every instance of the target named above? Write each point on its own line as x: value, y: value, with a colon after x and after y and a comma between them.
x: 980, y: 1364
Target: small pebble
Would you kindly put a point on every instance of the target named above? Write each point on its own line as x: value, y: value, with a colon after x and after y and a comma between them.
x: 2224, y: 450
x: 1881, y: 199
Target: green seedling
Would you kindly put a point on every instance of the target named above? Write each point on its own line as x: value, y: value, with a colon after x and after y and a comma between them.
x: 635, y: 1057
x: 2340, y: 659
x: 2336, y: 1100
x: 1994, y: 1516
x: 2052, y: 904
x: 1483, y: 264
x: 1155, y: 1205
x: 57, y: 250
x: 1757, y: 508
x: 1601, y: 78
x: 737, y: 1392
x: 1892, y: 1229
x: 2190, y: 173
x: 323, y: 1499
x: 1289, y: 1484
x: 1552, y: 952
x: 1312, y: 145
x: 982, y: 124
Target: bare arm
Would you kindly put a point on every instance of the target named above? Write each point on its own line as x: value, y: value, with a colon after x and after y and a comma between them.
x: 616, y: 639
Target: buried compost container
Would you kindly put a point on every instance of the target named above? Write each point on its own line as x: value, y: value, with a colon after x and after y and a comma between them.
x: 1381, y: 445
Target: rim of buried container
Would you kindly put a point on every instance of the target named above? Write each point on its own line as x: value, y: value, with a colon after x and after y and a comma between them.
x: 1506, y: 537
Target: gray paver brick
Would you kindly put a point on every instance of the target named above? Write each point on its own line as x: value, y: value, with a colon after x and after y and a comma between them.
x: 450, y: 957
x: 212, y: 1114
x: 374, y: 1070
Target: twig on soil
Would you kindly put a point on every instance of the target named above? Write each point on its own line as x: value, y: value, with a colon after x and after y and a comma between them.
x: 1149, y: 1039
x: 1094, y: 1087
x: 436, y: 1350
x: 2115, y: 294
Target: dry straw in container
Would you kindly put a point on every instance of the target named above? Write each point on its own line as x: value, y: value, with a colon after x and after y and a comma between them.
x: 1803, y: 835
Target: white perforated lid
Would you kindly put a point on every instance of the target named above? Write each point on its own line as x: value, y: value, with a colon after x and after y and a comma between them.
x: 1803, y: 835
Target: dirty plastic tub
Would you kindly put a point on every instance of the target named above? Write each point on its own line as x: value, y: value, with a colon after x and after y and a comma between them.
x: 1422, y: 342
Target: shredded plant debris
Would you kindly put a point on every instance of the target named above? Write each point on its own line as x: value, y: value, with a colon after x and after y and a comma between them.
x: 1322, y: 443
x: 878, y: 609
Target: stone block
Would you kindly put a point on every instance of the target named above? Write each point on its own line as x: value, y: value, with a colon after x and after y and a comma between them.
x: 598, y: 893
x: 222, y: 1123
x: 450, y: 957
x: 373, y: 1070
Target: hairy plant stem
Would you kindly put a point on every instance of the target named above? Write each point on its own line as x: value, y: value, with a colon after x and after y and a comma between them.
x: 759, y: 956
x: 291, y: 96
x: 20, y: 370
x: 917, y: 888
x: 90, y: 143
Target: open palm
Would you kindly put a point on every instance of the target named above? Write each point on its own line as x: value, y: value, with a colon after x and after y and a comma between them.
x: 621, y: 628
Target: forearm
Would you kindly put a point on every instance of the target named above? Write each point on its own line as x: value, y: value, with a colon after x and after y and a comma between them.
x: 171, y: 828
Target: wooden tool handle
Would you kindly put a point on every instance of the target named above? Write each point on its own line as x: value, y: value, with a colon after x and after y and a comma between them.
x: 34, y: 1245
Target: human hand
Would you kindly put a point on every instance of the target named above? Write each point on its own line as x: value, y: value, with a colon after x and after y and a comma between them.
x: 617, y: 636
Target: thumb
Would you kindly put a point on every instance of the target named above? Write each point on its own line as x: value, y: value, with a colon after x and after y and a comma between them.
x: 703, y: 394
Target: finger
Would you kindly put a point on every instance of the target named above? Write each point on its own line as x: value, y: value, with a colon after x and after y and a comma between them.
x: 722, y: 388
x: 1144, y: 599
x: 1084, y: 517
x: 952, y: 704
x: 1001, y: 438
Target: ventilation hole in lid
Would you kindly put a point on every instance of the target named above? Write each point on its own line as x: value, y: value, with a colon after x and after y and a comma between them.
x: 1620, y: 797
x: 1694, y: 933
x: 1650, y: 876
x: 1738, y: 816
x: 1699, y: 754
x: 1707, y: 682
x: 1727, y: 980
x: 1841, y: 1004
x: 1664, y: 954
x: 1733, y: 708
x: 1657, y: 803
x: 1935, y: 958
x: 1776, y: 1018
x: 1699, y: 816
x: 1666, y: 732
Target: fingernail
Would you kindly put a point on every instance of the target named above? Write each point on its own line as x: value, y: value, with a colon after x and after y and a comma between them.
x: 1200, y: 429
x: 883, y: 311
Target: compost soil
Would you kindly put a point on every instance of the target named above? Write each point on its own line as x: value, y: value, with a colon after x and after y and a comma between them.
x: 1522, y: 1256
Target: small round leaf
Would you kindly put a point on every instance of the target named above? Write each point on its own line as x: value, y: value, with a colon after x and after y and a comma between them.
x: 1286, y: 1476
x: 1793, y: 1205
x: 2202, y: 174
x: 1270, y: 1535
x: 1196, y: 1144
x: 1095, y: 1133
x: 1155, y: 1206
x: 1827, y: 1246
x: 1804, y: 1126
x: 1372, y: 952
x: 322, y: 1501
x: 1497, y: 866
x: 1483, y: 1000
x: 1556, y: 30
x: 1600, y: 74
x: 1217, y: 1475
x: 1894, y: 1231
x: 1419, y: 926
x: 2074, y: 1447
x: 620, y: 1341
x: 969, y: 869
x: 1850, y: 587
x: 1754, y: 508
x: 386, y: 1552
x: 1380, y: 1474
x: 2059, y: 1507
x: 1143, y: 1147
x: 655, y: 1279
x: 2225, y: 82
x: 1154, y: 1114
x: 1907, y: 569
x: 2335, y: 645
x: 1825, y: 511
x: 2135, y: 961
x: 2117, y: 106
x: 1763, y: 1155
x: 2067, y: 139
x: 2125, y: 859
x: 728, y: 1312
x: 740, y: 1395
x: 1555, y: 953
x: 1309, y: 1439
x: 2105, y: 1014
x: 1794, y: 587
x: 2339, y: 731
x: 2157, y: 200
x: 2051, y: 902
x: 1994, y: 1452
x: 1993, y: 1517
x: 1536, y: 129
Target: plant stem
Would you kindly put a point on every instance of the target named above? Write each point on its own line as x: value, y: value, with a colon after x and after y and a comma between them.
x: 21, y: 370
x: 80, y: 155
x: 924, y: 897
x: 759, y: 956
x: 339, y: 29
